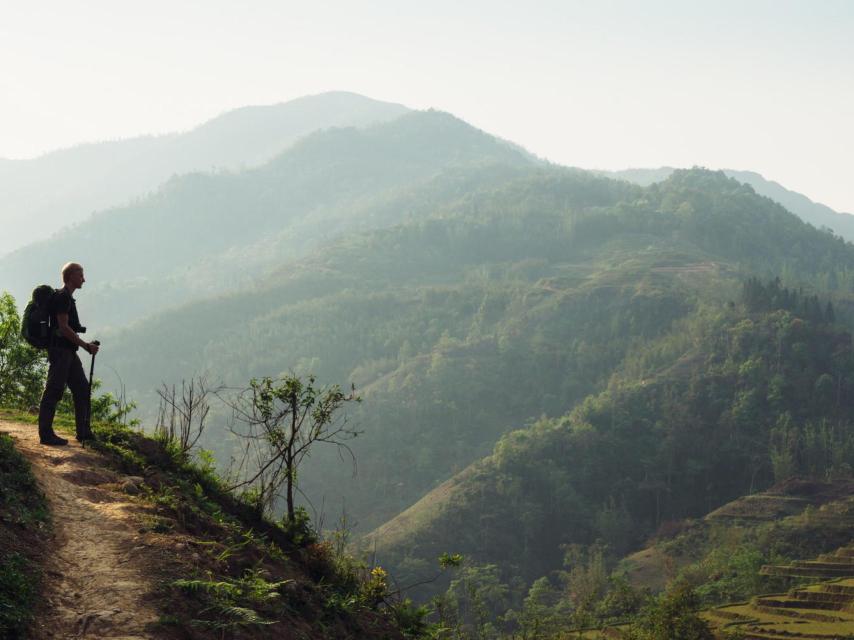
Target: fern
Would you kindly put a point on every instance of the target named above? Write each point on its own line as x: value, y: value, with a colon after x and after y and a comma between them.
x: 233, y: 615
x: 220, y: 588
x: 228, y: 602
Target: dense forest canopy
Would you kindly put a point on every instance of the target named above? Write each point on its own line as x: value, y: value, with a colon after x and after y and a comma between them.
x: 735, y: 398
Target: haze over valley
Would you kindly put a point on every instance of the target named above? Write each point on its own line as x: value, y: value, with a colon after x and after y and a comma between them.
x: 467, y: 289
x: 575, y: 401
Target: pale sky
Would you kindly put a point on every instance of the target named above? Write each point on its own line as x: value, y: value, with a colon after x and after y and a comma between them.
x: 761, y: 85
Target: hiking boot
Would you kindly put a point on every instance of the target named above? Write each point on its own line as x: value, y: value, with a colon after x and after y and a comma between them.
x: 54, y: 439
x: 86, y: 437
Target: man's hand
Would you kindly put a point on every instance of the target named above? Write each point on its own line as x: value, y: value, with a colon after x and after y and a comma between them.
x: 92, y: 347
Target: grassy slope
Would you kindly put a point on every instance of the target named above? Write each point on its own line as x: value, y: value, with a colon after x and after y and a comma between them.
x: 24, y: 526
x: 223, y: 568
x: 235, y: 569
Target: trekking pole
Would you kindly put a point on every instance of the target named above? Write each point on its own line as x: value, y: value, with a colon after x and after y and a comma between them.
x: 91, y: 378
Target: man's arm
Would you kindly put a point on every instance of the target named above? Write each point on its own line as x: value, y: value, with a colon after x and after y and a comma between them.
x: 69, y: 334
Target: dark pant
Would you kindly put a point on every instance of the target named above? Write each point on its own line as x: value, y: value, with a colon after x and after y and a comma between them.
x: 65, y: 369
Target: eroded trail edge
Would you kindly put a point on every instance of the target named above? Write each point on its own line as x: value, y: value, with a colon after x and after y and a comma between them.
x: 99, y: 582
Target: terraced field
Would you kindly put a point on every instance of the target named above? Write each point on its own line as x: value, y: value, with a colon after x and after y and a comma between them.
x: 819, y: 512
x: 823, y: 610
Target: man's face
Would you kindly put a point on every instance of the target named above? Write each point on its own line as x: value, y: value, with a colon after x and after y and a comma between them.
x: 76, y: 279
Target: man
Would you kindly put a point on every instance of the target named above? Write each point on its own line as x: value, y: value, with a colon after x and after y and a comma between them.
x: 65, y: 366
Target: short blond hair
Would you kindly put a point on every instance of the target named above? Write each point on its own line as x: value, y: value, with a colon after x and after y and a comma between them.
x: 70, y: 267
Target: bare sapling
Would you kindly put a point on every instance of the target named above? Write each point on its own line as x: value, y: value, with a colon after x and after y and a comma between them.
x: 182, y: 416
x: 281, y: 419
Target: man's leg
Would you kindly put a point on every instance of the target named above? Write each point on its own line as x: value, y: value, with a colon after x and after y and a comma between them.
x: 57, y: 376
x: 80, y: 392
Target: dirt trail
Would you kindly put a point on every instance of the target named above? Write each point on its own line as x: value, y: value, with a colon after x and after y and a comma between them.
x: 97, y: 584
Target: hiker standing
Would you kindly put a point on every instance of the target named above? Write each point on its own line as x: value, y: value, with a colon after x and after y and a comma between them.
x: 65, y: 366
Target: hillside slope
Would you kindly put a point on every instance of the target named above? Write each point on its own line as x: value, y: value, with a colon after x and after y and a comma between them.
x: 822, y: 609
x: 735, y: 397
x: 145, y: 546
x: 818, y: 215
x: 58, y: 189
x: 25, y: 529
x: 540, y: 286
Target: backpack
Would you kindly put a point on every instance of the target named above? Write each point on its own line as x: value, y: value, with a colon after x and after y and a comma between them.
x: 35, y: 323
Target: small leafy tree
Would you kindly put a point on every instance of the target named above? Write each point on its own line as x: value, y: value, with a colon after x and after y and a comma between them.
x: 22, y: 368
x: 479, y: 597
x: 283, y: 418
x: 545, y: 611
x: 106, y: 407
x: 783, y: 449
x: 671, y: 616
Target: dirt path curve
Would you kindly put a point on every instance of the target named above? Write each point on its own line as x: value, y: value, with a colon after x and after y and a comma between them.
x: 96, y: 585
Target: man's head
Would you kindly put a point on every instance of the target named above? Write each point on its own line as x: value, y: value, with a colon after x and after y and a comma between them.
x: 72, y: 276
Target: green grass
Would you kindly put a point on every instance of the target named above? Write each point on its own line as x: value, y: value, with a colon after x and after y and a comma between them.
x: 62, y: 422
x: 24, y: 523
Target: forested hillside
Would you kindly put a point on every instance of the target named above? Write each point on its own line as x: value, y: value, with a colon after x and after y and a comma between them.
x: 736, y: 397
x: 540, y: 286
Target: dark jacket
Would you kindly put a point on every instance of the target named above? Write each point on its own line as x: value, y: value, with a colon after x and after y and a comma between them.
x: 62, y: 302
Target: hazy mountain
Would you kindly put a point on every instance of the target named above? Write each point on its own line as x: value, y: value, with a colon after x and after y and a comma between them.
x: 208, y: 233
x: 469, y: 290
x: 817, y: 214
x: 53, y: 191
x: 406, y: 313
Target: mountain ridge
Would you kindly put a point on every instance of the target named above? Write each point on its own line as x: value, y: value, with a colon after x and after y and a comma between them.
x: 817, y: 214
x: 65, y: 186
x: 309, y: 193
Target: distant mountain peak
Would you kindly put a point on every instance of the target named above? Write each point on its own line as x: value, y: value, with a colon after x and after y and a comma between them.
x: 63, y: 187
x: 329, y: 103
